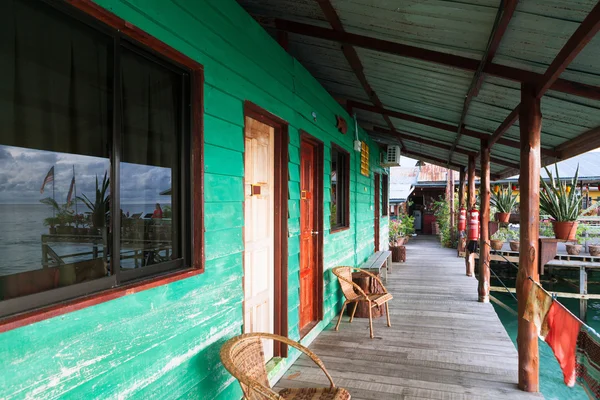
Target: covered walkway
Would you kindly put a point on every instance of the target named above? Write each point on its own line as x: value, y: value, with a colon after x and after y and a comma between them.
x: 443, y: 344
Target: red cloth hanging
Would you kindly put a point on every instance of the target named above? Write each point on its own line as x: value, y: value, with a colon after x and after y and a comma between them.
x: 563, y: 329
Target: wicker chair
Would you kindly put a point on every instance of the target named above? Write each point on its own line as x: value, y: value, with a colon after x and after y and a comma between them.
x: 243, y: 357
x: 354, y: 294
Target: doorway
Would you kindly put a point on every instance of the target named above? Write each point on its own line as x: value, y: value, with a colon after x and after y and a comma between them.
x: 311, y: 233
x: 265, y: 226
x: 377, y: 211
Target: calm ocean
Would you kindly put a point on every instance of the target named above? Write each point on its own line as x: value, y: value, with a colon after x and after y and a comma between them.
x: 21, y: 228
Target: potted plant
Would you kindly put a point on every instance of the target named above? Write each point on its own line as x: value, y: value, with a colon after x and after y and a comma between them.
x: 395, y: 235
x: 504, y: 202
x: 575, y: 248
x: 594, y: 249
x: 561, y: 201
x: 51, y: 223
x: 498, y: 238
x: 513, y: 240
x: 100, y: 206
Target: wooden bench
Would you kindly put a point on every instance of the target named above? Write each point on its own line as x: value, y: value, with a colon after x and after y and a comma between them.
x: 377, y: 261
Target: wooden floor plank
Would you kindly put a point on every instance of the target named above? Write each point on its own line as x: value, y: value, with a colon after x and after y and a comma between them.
x: 443, y: 344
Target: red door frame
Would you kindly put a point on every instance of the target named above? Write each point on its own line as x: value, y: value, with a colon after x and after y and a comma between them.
x: 376, y: 216
x: 281, y: 214
x: 318, y: 223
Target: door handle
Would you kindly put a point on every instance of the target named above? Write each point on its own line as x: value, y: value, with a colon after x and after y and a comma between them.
x: 314, y: 232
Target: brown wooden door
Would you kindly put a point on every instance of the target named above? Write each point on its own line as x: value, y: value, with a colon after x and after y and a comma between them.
x: 377, y: 211
x: 308, y: 236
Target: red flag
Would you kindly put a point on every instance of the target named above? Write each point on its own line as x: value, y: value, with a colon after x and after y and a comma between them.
x: 71, y: 190
x: 563, y: 329
x: 49, y: 178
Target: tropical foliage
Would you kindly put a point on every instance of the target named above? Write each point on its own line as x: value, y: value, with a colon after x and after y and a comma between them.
x: 559, y: 199
x: 101, y: 204
x: 503, y: 199
x: 395, y: 231
x: 62, y: 214
x: 441, y: 210
x: 502, y: 234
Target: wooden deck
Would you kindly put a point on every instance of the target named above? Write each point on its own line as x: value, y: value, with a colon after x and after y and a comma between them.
x: 443, y: 344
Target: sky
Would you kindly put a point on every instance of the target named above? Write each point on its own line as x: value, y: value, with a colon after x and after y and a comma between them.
x: 22, y: 172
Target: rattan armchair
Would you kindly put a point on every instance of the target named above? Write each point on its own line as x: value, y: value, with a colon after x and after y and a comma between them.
x: 243, y: 357
x: 354, y: 294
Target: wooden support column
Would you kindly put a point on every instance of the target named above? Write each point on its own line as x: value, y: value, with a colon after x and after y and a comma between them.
x: 530, y: 124
x: 469, y: 257
x: 484, y: 229
x: 451, y: 204
x: 461, y: 188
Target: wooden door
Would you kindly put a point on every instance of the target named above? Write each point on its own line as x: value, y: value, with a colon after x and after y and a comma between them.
x: 377, y: 211
x: 259, y: 244
x: 309, y: 233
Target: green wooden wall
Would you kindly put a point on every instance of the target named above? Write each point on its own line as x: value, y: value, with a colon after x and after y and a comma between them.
x: 164, y: 342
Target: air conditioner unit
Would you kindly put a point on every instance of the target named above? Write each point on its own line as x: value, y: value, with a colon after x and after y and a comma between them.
x: 391, y: 158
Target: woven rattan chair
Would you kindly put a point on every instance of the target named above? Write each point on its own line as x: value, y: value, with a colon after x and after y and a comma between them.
x: 243, y: 357
x: 354, y: 294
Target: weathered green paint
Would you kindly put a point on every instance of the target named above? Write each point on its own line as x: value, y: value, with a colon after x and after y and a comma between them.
x: 164, y: 342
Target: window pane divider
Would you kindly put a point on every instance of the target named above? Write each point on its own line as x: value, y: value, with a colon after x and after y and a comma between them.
x: 115, y: 171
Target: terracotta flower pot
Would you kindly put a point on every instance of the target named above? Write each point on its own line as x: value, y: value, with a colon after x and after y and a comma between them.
x: 594, y: 250
x: 503, y: 217
x: 573, y: 249
x: 565, y: 230
x: 496, y: 244
x: 514, y: 245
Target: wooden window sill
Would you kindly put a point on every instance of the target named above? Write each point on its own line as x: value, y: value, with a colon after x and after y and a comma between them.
x: 338, y: 229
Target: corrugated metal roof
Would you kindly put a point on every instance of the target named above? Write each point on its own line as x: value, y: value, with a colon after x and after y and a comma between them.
x: 588, y: 164
x: 535, y: 35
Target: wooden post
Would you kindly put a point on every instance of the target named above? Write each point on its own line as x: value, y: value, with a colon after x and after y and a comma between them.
x: 461, y: 188
x: 470, y: 258
x: 451, y: 204
x: 484, y: 219
x: 530, y: 125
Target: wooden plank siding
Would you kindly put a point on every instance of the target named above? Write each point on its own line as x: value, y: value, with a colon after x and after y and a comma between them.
x: 442, y: 344
x: 164, y: 342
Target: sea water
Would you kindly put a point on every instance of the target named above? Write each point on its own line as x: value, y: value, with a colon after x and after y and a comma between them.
x: 552, y: 385
x: 21, y: 230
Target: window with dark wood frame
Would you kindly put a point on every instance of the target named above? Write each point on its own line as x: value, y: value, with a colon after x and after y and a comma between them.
x: 113, y: 119
x: 385, y: 195
x: 340, y: 188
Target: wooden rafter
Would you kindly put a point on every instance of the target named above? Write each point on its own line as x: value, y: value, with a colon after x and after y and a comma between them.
x: 584, y: 33
x: 465, y: 63
x: 439, y: 125
x: 353, y: 58
x: 503, y: 18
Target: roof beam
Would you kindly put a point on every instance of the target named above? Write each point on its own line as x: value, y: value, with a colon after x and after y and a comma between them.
x: 465, y: 63
x: 588, y: 140
x: 580, y: 38
x: 353, y: 59
x: 413, y: 137
x: 500, y: 25
x: 437, y: 124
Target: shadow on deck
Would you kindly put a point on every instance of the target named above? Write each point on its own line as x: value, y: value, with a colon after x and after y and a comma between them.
x: 443, y: 344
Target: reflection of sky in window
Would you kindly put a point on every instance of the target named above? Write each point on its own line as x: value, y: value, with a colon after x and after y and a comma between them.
x: 22, y: 172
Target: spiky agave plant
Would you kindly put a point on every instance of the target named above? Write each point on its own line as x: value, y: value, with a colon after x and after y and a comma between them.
x: 101, y: 204
x: 503, y: 199
x: 559, y: 199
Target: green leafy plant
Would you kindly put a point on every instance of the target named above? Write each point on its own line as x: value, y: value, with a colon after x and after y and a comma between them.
x: 559, y: 199
x: 101, y: 204
x: 395, y: 232
x: 408, y: 225
x: 63, y: 215
x: 503, y: 199
x: 580, y: 234
x: 441, y: 210
x: 546, y: 229
x: 502, y: 234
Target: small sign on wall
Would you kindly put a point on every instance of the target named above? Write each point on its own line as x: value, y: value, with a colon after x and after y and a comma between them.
x: 364, y: 159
